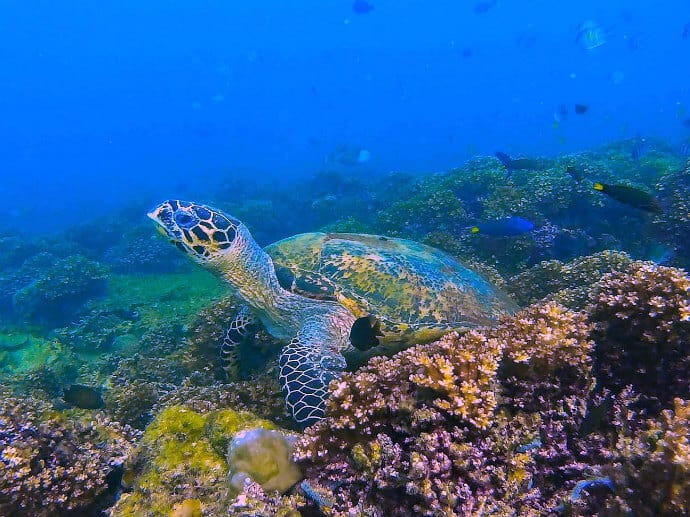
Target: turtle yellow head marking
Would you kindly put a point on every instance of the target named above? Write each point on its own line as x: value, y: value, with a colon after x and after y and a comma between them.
x: 198, y: 230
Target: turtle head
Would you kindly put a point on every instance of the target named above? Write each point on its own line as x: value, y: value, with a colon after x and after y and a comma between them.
x: 202, y: 232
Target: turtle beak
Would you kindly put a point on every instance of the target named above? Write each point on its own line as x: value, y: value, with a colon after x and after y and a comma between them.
x: 153, y: 215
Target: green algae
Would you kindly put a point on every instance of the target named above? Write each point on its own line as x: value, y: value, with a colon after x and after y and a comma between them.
x: 181, y: 457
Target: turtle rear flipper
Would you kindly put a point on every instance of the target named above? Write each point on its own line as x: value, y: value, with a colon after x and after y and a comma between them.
x: 306, y: 372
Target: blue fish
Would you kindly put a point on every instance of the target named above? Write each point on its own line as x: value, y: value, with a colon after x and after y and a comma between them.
x: 362, y: 7
x: 507, y: 227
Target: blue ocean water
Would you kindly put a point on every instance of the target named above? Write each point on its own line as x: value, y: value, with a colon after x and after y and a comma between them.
x: 109, y: 103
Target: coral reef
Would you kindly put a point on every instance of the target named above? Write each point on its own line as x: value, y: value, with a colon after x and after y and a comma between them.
x: 642, y: 331
x: 553, y: 411
x: 52, y: 463
x: 653, y: 469
x: 138, y: 251
x: 576, y: 405
x: 393, y: 444
x: 253, y: 501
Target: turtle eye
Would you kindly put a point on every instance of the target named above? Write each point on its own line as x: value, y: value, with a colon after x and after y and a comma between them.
x: 185, y: 219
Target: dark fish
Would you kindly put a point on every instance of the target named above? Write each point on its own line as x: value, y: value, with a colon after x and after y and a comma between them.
x: 365, y: 333
x: 84, y: 397
x: 631, y: 196
x: 686, y: 31
x: 519, y: 164
x: 581, y: 109
x: 466, y: 52
x: 686, y: 122
x: 576, y: 173
x: 508, y: 227
x: 483, y: 7
x: 362, y: 7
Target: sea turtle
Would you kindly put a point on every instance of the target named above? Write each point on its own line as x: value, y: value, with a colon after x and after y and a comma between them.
x: 326, y: 294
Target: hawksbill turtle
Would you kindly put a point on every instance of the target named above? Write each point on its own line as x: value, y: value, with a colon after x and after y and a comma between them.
x: 327, y: 294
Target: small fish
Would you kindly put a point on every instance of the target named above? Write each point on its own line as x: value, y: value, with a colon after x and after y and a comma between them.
x: 576, y: 173
x: 362, y: 7
x: 519, y: 164
x: 84, y: 397
x: 631, y: 196
x: 590, y: 35
x: 508, y: 227
x: 581, y: 109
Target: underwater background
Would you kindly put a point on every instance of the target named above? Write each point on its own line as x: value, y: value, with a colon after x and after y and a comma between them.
x: 544, y: 145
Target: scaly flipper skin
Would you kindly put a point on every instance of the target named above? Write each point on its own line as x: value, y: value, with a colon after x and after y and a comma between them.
x: 242, y: 328
x: 305, y: 374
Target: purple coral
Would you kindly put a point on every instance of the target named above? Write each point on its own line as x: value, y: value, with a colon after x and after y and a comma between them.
x: 642, y: 333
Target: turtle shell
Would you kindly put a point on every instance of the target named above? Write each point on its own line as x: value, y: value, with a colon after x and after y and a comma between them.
x: 417, y: 292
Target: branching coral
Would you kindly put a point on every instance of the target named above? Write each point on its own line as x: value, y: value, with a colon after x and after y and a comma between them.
x: 642, y: 331
x: 394, y: 426
x: 499, y: 421
x: 546, y: 357
x: 253, y: 501
x: 653, y: 474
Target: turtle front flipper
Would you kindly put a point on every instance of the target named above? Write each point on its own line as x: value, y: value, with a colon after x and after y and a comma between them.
x: 243, y: 327
x: 306, y: 370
